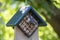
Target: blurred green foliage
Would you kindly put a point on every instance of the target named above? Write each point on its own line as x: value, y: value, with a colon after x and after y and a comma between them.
x: 8, y: 9
x: 47, y: 33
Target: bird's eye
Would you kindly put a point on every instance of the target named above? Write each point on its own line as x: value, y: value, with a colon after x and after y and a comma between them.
x: 26, y: 18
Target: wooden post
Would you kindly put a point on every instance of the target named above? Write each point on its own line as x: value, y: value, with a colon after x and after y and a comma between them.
x: 20, y: 35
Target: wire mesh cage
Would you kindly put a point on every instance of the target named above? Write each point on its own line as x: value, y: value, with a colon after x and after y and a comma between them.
x: 28, y: 24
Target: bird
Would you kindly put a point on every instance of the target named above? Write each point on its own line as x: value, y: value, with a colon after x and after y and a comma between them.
x: 30, y: 20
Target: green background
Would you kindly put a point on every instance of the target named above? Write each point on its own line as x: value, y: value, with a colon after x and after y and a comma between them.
x: 8, y: 8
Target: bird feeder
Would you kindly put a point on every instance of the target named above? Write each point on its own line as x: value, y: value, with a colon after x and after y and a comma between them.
x: 27, y: 20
